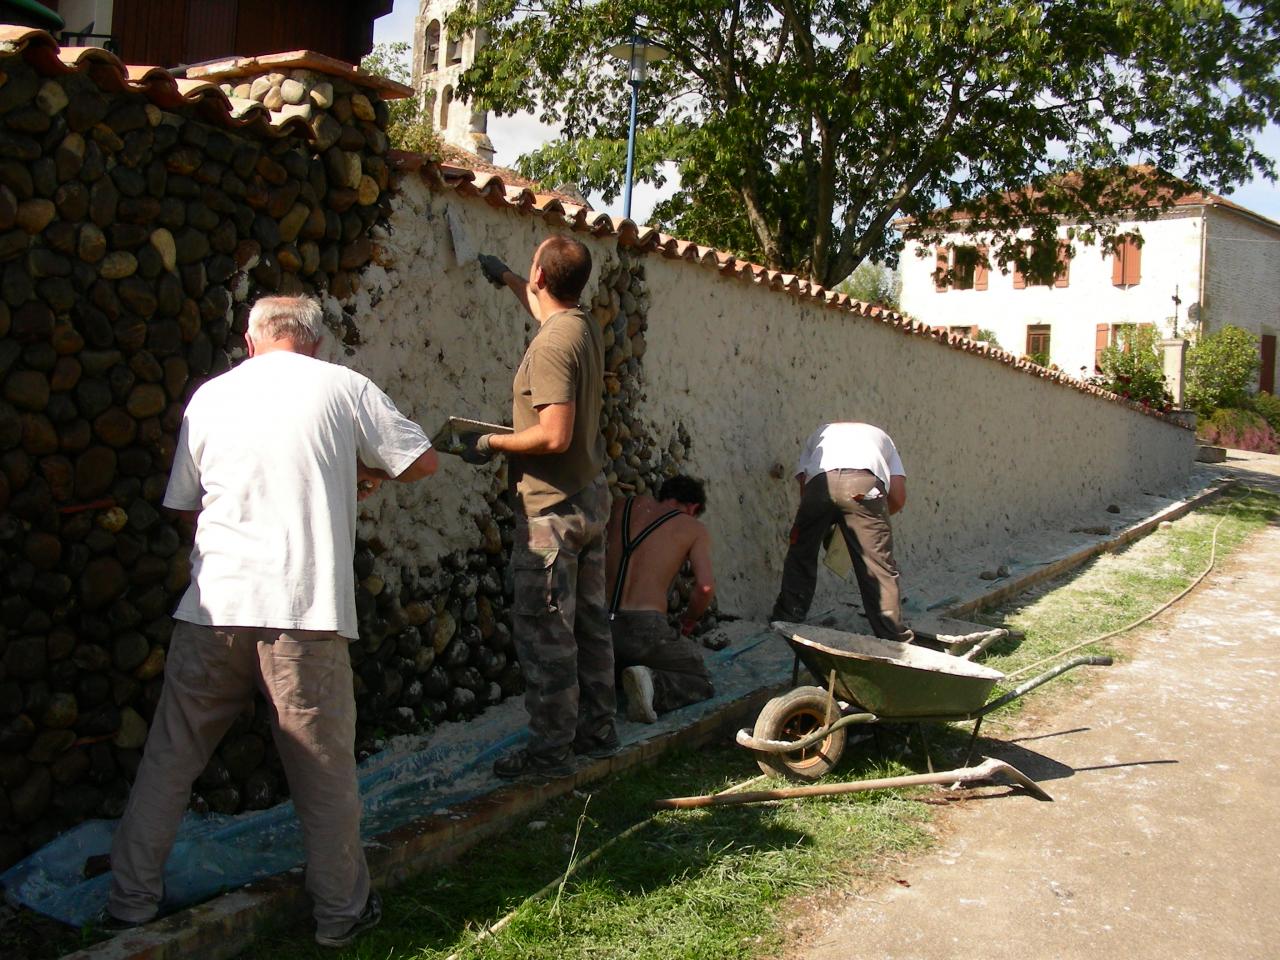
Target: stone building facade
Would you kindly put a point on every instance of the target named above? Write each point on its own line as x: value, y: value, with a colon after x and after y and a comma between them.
x: 439, y: 60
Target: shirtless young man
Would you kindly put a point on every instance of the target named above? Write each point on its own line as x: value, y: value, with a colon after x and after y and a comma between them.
x: 660, y: 669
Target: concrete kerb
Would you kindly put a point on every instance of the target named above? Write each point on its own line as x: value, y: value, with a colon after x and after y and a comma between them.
x: 1074, y: 559
x: 227, y: 924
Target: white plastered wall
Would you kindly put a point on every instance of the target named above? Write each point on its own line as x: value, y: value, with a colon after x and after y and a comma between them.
x: 989, y: 451
x: 441, y: 341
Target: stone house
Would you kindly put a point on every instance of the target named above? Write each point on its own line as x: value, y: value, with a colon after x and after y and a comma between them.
x: 1203, y: 264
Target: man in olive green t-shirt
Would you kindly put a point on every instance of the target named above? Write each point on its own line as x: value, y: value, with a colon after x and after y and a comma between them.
x: 557, y: 456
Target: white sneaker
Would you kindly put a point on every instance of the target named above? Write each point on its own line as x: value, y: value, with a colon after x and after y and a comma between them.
x: 637, y: 684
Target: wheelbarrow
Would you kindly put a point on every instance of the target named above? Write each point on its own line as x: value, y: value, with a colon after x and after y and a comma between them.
x: 802, y: 734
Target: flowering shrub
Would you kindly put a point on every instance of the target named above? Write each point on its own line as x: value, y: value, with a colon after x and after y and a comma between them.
x: 1240, y: 430
x: 1134, y: 369
x: 1267, y: 406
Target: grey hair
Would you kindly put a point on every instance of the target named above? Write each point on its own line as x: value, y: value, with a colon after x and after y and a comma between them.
x: 286, y: 318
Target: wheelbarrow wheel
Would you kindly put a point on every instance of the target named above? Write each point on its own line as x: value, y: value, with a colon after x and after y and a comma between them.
x: 790, y: 717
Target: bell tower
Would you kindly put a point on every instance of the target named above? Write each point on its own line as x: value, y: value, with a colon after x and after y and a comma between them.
x: 439, y: 59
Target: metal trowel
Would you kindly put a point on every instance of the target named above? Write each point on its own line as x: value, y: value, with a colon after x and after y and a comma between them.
x: 464, y: 251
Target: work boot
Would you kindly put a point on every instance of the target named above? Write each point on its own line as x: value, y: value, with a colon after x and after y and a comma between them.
x: 521, y: 763
x: 107, y: 922
x: 598, y: 747
x: 369, y: 918
x: 637, y: 684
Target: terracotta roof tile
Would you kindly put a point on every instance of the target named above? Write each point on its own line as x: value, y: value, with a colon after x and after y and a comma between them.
x: 159, y: 86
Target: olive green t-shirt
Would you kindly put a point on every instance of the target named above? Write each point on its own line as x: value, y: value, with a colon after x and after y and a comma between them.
x: 564, y: 364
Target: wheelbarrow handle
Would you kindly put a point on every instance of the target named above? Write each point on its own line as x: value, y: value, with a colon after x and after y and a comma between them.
x: 1029, y: 685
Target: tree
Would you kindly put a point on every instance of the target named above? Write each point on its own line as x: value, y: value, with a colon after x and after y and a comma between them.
x: 1133, y: 368
x: 874, y: 283
x: 803, y: 128
x: 409, y: 124
x: 1221, y: 367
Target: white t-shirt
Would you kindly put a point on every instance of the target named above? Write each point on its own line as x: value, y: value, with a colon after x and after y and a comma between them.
x: 850, y: 446
x: 267, y: 454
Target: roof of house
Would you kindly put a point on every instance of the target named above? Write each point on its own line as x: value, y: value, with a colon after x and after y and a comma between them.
x: 167, y: 91
x: 1158, y: 192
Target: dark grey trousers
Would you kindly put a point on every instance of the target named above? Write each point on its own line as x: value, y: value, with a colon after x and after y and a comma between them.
x: 643, y: 638
x: 839, y: 497
x: 559, y: 618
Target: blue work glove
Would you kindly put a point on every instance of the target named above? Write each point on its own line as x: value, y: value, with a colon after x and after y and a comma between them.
x: 493, y: 269
x: 476, y: 449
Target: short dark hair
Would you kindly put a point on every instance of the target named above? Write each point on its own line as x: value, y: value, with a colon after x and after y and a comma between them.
x: 567, y: 265
x: 683, y: 489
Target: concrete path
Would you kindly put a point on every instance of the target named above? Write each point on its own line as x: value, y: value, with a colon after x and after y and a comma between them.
x: 1164, y: 837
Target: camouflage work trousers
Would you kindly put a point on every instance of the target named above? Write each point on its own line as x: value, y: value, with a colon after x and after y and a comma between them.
x: 560, y: 622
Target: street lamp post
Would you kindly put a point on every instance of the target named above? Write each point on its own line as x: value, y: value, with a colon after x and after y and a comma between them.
x: 639, y: 53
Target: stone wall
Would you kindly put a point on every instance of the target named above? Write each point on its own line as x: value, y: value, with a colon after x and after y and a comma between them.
x: 137, y: 224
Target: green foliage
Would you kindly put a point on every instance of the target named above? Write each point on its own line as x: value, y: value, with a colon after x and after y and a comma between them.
x: 1267, y: 406
x: 988, y: 336
x: 802, y: 131
x: 1134, y: 369
x: 1238, y: 429
x: 1221, y: 367
x: 409, y: 125
x: 874, y: 283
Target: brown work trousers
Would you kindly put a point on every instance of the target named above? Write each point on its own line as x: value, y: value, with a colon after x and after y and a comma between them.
x: 839, y: 497
x: 209, y: 679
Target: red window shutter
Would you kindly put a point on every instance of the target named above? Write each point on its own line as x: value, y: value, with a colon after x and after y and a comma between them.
x: 973, y: 335
x: 942, y: 262
x: 1019, y: 279
x: 1101, y: 340
x: 1063, y: 276
x: 1117, y: 262
x: 1132, y: 262
x: 980, y: 270
x: 1267, y: 372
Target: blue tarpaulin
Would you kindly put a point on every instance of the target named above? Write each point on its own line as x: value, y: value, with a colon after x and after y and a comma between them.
x: 215, y: 853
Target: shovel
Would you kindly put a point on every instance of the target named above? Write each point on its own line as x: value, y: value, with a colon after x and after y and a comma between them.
x: 984, y: 771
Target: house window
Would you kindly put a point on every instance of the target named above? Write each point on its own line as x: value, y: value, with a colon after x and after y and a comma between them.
x: 1038, y: 343
x: 1267, y: 372
x: 1126, y: 261
x: 433, y: 47
x: 970, y: 332
x: 1120, y: 335
x: 966, y: 265
x: 1062, y: 272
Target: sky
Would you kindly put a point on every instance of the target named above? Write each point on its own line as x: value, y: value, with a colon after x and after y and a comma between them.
x: 522, y: 133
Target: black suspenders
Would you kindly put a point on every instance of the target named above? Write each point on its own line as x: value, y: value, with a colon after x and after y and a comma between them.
x: 629, y: 546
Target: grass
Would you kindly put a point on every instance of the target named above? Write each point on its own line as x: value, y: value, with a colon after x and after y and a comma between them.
x: 693, y: 884
x: 719, y: 883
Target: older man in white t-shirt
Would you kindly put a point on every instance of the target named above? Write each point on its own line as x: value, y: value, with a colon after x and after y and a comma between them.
x: 270, y: 460
x: 850, y: 476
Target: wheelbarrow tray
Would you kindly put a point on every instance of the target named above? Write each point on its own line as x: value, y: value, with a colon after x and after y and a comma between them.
x: 894, y: 681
